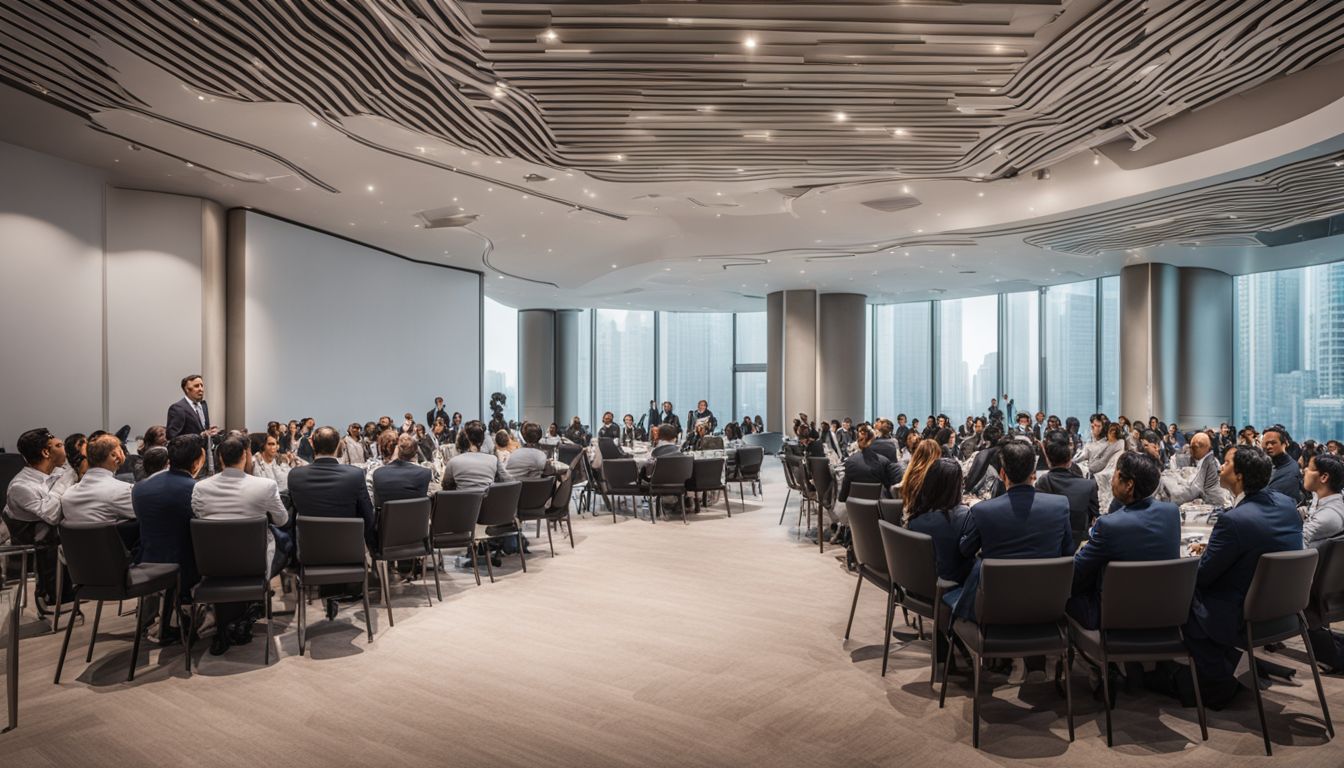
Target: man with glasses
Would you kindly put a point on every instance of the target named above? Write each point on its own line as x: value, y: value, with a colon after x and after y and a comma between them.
x: 33, y: 505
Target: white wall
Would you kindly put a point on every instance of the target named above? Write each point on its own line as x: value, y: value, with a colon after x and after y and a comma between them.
x: 342, y: 332
x: 51, y: 295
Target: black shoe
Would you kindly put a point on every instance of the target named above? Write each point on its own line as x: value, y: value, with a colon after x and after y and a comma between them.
x: 43, y: 609
x: 496, y: 560
x: 221, y: 642
x: 332, y: 608
x: 240, y: 633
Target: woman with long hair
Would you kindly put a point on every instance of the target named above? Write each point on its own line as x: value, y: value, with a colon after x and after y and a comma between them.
x: 937, y: 511
x: 926, y: 454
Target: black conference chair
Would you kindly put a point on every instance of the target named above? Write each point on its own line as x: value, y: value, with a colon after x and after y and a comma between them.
x: 746, y: 469
x: 1019, y: 612
x: 1326, y: 603
x: 706, y: 476
x: 452, y: 525
x: 608, y: 449
x: 330, y: 551
x: 566, y: 453
x: 892, y: 510
x: 533, y: 501
x: 620, y: 479
x: 869, y: 557
x: 101, y: 570
x: 792, y: 474
x: 403, y: 534
x: 825, y: 490
x: 557, y: 511
x: 233, y: 567
x: 913, y: 570
x: 1273, y: 612
x: 1143, y: 607
x: 871, y: 491
x: 499, y: 510
x: 669, y: 477
x: 19, y: 587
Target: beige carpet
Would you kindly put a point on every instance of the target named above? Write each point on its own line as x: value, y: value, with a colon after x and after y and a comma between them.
x: 713, y: 644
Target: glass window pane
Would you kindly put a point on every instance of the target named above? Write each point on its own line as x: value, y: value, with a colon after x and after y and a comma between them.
x: 623, y: 353
x: 902, y: 345
x: 750, y: 395
x: 1289, y: 355
x: 1110, y: 347
x: 867, y: 364
x: 751, y: 338
x: 1022, y: 350
x: 695, y: 361
x: 501, y: 358
x: 1071, y: 350
x: 968, y: 342
x: 585, y: 359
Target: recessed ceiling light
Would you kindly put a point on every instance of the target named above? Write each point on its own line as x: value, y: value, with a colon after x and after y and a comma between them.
x: 313, y: 123
x: 898, y: 132
x: 979, y: 194
x: 613, y: 266
x: 370, y: 187
x: 489, y: 189
x: 841, y: 117
x: 620, y: 157
x: 551, y: 35
x: 802, y: 271
x: 200, y: 98
x: 749, y: 43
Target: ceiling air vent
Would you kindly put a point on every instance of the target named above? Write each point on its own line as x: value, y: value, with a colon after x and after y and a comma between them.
x: 893, y: 204
x: 448, y: 216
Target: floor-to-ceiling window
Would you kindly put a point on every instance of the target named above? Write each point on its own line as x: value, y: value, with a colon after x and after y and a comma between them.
x: 902, y: 345
x: 695, y: 361
x: 1108, y: 362
x: 1070, y: 355
x: 1021, y: 355
x: 749, y: 390
x: 585, y: 367
x: 968, y: 354
x: 501, y: 358
x: 1289, y: 353
x: 623, y: 361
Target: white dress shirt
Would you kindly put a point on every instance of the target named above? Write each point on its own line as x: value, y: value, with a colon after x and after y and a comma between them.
x: 99, y: 497
x: 33, y: 496
x: 234, y: 494
x: 1324, y: 520
x: 272, y: 470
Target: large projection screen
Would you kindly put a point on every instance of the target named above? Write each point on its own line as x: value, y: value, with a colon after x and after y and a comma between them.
x: 342, y: 332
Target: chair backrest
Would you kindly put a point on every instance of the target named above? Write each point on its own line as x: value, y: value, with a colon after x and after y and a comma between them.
x: 823, y: 477
x: 567, y: 452
x: 620, y: 473
x: 867, y: 539
x: 1148, y: 595
x: 1327, y: 588
x: 536, y: 493
x: 455, y: 511
x: 563, y: 491
x: 910, y: 559
x: 672, y: 470
x: 707, y: 472
x: 792, y: 471
x: 1031, y: 591
x: 404, y: 521
x: 329, y: 540
x: 500, y: 506
x: 11, y: 464
x: 95, y: 554
x: 770, y: 442
x: 230, y: 547
x: 865, y: 491
x: 1281, y: 585
x: 608, y: 448
x: 749, y: 461
x: 892, y: 510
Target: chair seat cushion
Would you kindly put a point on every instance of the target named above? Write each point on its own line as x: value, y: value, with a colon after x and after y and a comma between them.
x: 445, y: 540
x: 1129, y: 644
x: 874, y: 576
x: 1274, y: 630
x: 918, y: 604
x: 401, y: 551
x: 220, y: 590
x: 1010, y: 640
x: 144, y: 579
x: 667, y: 490
x: 538, y: 513
x: 332, y: 574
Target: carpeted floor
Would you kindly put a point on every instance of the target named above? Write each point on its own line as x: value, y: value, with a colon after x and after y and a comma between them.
x: 713, y: 644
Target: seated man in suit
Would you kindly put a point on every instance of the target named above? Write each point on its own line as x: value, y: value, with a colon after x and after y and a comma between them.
x: 163, y: 507
x: 664, y: 444
x: 1141, y: 528
x: 609, y: 428
x: 1205, y: 484
x: 402, y: 478
x: 530, y: 462
x: 1062, y: 479
x: 1263, y: 521
x: 1287, y: 475
x: 1020, y: 524
x: 236, y: 493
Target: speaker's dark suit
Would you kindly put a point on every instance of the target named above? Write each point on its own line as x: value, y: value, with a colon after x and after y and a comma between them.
x: 1145, y: 530
x: 327, y: 488
x: 1081, y: 493
x: 162, y: 504
x: 1020, y: 524
x: 182, y: 419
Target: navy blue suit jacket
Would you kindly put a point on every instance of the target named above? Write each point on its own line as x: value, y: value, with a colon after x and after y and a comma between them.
x: 1145, y: 530
x: 327, y: 488
x: 1019, y: 525
x: 1287, y: 478
x: 400, y: 480
x: 946, y: 533
x: 1264, y: 521
x: 181, y: 419
x: 162, y: 505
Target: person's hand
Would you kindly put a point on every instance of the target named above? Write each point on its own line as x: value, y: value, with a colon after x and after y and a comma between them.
x: 1197, y: 548
x: 212, y: 431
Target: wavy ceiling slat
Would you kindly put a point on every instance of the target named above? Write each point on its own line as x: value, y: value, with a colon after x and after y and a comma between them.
x: 975, y: 88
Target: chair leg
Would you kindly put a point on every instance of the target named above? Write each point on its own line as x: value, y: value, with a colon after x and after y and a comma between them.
x: 785, y: 508
x: 947, y: 666
x: 368, y: 614
x: 1106, y: 697
x: 438, y: 558
x: 549, y: 542
x: 97, y: 616
x: 1068, y: 691
x: 425, y: 582
x: 302, y: 595
x: 489, y: 568
x: 475, y: 569
x: 522, y: 556
x: 56, y: 613
x: 270, y: 626
x: 569, y: 524
x: 385, y: 576
x: 854, y: 605
x: 1255, y: 686
x: 190, y: 630
x: 135, y: 644
x: 1316, y: 673
x: 975, y: 703
x: 1199, y: 699
x: 886, y: 636
x: 69, y: 629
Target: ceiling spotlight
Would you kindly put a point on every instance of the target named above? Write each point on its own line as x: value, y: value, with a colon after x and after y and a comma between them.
x: 551, y: 36
x: 1096, y: 157
x: 370, y: 187
x: 1042, y: 174
x: 620, y: 158
x: 200, y: 98
x: 613, y: 266
x: 313, y: 123
x: 898, y: 132
x: 841, y: 117
x: 979, y: 194
x: 749, y: 43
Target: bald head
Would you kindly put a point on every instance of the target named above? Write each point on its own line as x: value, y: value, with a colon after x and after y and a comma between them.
x: 1199, y: 445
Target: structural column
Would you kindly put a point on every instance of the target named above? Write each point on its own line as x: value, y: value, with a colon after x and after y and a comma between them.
x: 536, y: 365
x: 791, y: 362
x: 840, y: 355
x: 566, y: 365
